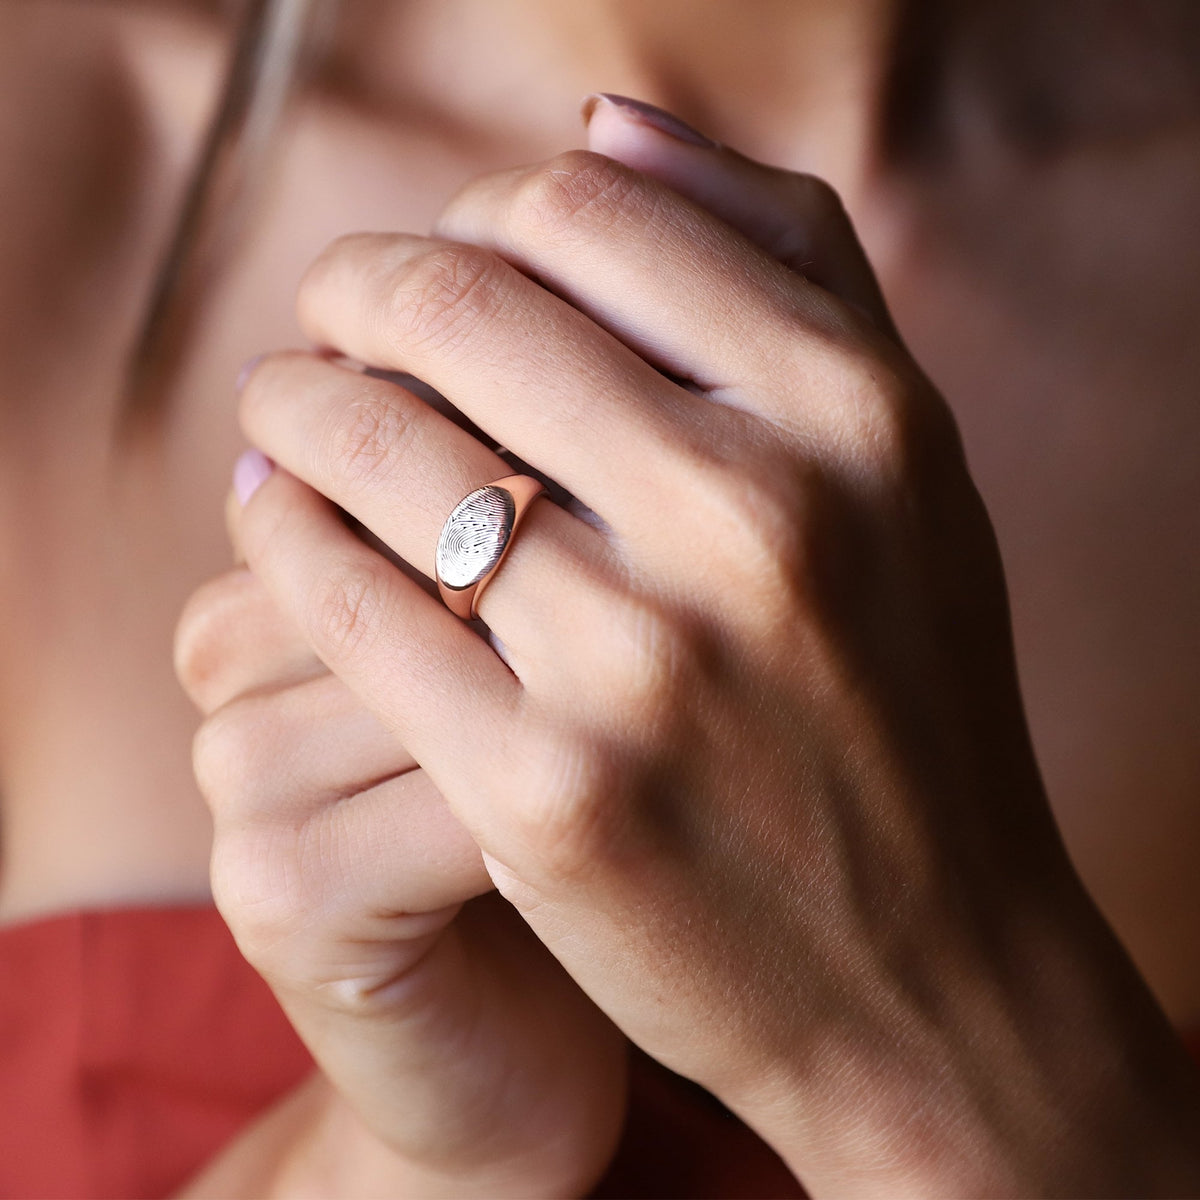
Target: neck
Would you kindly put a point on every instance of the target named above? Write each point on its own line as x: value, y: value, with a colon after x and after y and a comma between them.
x: 792, y: 81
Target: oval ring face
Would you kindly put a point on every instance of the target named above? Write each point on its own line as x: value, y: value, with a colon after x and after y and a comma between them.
x: 474, y: 537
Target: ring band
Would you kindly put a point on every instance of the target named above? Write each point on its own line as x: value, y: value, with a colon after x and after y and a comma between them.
x: 476, y: 537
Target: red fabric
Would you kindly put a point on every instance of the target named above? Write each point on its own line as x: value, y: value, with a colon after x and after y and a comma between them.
x: 133, y: 1045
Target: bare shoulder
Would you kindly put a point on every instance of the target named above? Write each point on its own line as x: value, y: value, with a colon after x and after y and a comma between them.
x: 96, y: 130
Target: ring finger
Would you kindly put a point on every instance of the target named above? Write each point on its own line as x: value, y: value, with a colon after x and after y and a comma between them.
x: 400, y: 467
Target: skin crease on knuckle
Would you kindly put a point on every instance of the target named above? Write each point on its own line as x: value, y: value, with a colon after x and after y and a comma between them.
x: 578, y: 197
x: 821, y: 215
x: 752, y: 516
x: 261, y: 891
x: 565, y: 803
x: 439, y: 299
x: 280, y: 879
x: 238, y: 748
x: 368, y: 438
x: 339, y: 606
x: 345, y: 609
x: 280, y: 871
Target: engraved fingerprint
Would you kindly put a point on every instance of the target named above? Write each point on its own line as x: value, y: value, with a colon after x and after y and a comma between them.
x: 474, y: 537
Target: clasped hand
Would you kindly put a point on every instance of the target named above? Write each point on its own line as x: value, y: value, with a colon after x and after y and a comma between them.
x: 752, y: 764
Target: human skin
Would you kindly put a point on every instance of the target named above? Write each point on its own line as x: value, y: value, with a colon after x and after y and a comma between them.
x: 111, y: 539
x: 759, y: 775
x: 300, y: 776
x: 1053, y: 298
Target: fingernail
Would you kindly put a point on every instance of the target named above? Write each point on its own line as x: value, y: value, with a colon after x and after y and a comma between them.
x: 249, y: 473
x: 656, y: 118
x: 243, y: 376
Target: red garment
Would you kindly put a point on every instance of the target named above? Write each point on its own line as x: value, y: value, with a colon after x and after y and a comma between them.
x: 133, y: 1045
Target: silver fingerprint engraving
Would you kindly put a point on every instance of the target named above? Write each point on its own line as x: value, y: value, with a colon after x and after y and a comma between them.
x: 474, y: 537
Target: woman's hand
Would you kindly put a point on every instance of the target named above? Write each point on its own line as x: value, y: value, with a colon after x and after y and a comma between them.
x: 756, y: 771
x: 458, y: 1057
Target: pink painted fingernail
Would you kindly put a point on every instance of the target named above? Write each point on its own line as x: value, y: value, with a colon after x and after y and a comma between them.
x: 247, y: 369
x: 648, y: 114
x: 249, y: 473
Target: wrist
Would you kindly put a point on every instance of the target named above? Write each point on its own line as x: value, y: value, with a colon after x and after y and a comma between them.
x: 1032, y: 1061
x: 349, y: 1159
x: 312, y: 1144
x: 343, y: 1157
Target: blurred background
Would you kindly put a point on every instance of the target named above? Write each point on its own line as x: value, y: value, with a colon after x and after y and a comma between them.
x: 1024, y: 173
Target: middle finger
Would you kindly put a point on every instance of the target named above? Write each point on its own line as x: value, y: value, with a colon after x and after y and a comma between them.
x: 535, y: 373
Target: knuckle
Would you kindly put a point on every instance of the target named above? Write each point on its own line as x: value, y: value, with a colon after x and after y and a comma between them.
x: 815, y: 215
x: 369, y: 437
x: 865, y: 410
x: 216, y: 636
x: 259, y: 888
x: 337, y: 256
x: 232, y: 755
x: 438, y: 297
x: 329, y: 273
x: 269, y: 385
x: 884, y: 436
x: 816, y: 198
x: 655, y: 655
x: 344, y: 610
x: 262, y: 883
x: 569, y: 808
x: 889, y: 423
x: 761, y: 511
x: 782, y: 554
x: 573, y: 189
x: 200, y: 638
x: 337, y: 252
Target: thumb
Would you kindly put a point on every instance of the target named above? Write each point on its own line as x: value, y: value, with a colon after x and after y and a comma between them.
x: 798, y: 219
